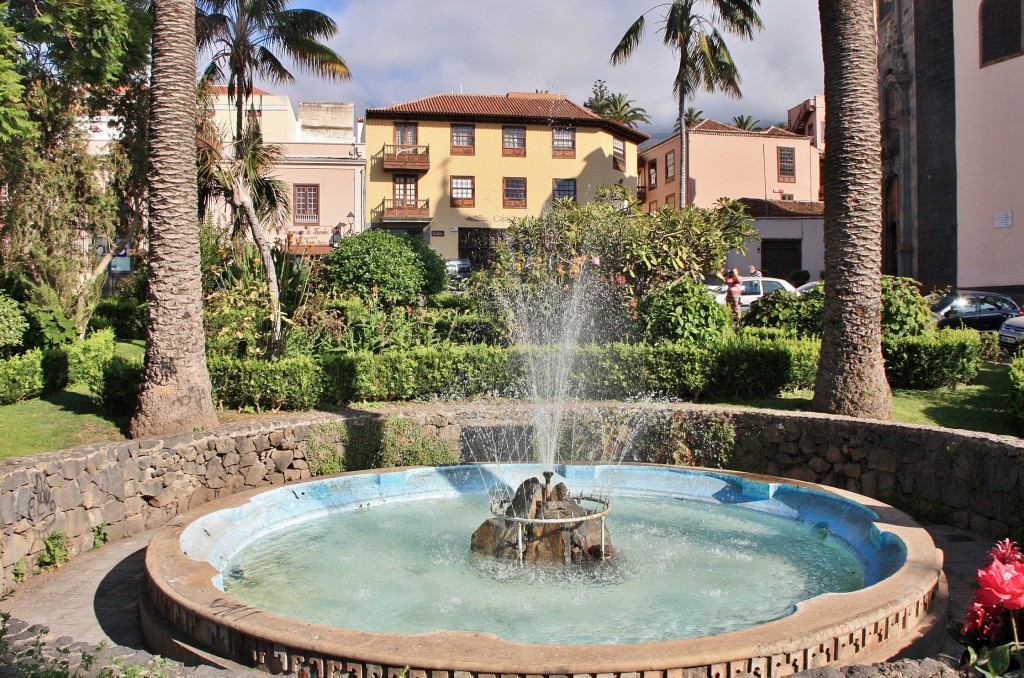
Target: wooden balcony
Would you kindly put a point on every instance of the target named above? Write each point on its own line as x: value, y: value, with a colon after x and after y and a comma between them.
x: 406, y: 158
x: 641, y: 193
x: 405, y: 210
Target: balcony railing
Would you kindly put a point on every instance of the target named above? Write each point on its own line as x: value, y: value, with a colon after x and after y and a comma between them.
x: 405, y: 209
x: 406, y: 157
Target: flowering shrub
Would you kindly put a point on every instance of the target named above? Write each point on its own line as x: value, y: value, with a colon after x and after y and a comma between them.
x: 990, y: 623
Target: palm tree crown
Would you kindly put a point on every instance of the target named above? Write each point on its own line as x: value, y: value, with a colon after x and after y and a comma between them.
x: 746, y: 122
x: 621, y: 109
x: 704, y: 59
x: 242, y: 36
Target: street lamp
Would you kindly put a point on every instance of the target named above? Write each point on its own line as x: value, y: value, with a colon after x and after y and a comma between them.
x: 351, y: 218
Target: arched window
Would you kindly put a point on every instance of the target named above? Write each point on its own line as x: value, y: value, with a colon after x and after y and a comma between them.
x: 1001, y: 34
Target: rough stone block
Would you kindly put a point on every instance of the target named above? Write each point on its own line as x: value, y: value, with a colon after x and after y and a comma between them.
x: 282, y: 459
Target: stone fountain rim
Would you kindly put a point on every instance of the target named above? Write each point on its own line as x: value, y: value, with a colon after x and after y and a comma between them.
x: 834, y: 625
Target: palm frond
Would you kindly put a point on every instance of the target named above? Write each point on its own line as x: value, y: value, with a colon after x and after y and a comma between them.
x: 269, y: 66
x: 315, y: 57
x: 629, y: 42
x: 306, y: 22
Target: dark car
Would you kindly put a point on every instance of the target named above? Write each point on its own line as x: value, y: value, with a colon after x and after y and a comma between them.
x: 982, y: 311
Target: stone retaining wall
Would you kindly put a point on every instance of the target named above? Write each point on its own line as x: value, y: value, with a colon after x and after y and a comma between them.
x: 971, y: 480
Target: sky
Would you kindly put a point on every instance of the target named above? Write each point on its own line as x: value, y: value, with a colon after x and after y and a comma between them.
x: 399, y: 50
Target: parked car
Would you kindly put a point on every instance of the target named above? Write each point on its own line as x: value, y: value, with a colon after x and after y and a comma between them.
x: 982, y: 311
x: 808, y: 286
x: 1011, y: 334
x: 458, y: 269
x: 713, y: 281
x: 754, y: 289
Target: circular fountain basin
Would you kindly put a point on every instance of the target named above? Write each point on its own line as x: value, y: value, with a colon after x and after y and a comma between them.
x: 886, y: 593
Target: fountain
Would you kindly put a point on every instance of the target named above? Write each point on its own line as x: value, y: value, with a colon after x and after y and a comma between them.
x: 367, y: 574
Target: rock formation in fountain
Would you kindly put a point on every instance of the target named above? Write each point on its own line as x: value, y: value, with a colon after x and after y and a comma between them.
x: 576, y: 542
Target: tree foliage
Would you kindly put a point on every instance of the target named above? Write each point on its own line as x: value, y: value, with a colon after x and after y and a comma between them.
x: 611, y: 236
x: 616, y: 106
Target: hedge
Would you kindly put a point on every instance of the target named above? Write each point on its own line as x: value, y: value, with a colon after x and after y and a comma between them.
x: 123, y: 314
x: 746, y: 365
x: 1017, y: 390
x: 21, y: 377
x: 88, y: 358
x: 939, y: 359
x: 289, y: 384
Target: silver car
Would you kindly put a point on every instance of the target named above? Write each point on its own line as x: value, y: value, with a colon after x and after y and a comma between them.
x: 754, y: 289
x: 1011, y: 333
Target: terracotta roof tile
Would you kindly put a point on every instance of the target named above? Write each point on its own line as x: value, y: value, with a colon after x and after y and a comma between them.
x: 759, y: 207
x: 713, y: 126
x: 515, y: 106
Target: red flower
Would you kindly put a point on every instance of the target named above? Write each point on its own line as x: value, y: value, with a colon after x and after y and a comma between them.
x: 983, y: 622
x: 1001, y: 582
x: 1006, y: 551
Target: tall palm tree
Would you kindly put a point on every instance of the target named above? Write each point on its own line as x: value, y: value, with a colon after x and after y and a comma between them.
x: 851, y: 377
x: 746, y: 122
x: 241, y: 35
x: 175, y: 394
x: 692, y: 117
x: 704, y: 59
x: 621, y: 109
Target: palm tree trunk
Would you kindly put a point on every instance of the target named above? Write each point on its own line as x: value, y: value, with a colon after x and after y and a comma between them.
x: 175, y: 394
x: 851, y: 374
x: 243, y: 201
x: 684, y: 167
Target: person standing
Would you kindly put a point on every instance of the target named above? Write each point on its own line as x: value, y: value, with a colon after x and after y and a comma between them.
x: 752, y: 271
x: 734, y: 291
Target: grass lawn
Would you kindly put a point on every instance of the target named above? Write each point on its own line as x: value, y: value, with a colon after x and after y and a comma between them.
x: 71, y: 418
x: 981, y: 406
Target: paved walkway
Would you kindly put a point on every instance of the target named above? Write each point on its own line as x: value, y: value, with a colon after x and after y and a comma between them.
x: 94, y: 598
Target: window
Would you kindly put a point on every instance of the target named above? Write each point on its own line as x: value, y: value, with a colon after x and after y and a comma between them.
x: 563, y: 142
x: 670, y: 165
x: 565, y: 188
x: 405, y: 134
x: 513, y: 141
x: 463, y: 192
x: 619, y: 154
x: 463, y: 139
x: 513, y: 193
x: 652, y: 174
x: 653, y: 206
x: 786, y: 196
x: 787, y: 164
x: 1000, y: 30
x: 405, y: 190
x: 769, y: 286
x: 307, y: 203
x: 670, y: 200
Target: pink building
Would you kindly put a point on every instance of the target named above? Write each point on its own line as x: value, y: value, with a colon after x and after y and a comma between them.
x: 777, y: 173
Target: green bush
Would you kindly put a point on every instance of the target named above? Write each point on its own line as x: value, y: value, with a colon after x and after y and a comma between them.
x: 119, y: 392
x: 87, y: 359
x: 435, y: 271
x: 325, y: 448
x: 48, y: 327
x: 1017, y: 390
x: 904, y: 311
x: 12, y: 324
x: 376, y: 263
x: 286, y: 384
x: 800, y: 314
x: 125, y: 315
x: 394, y: 441
x: 935, y: 360
x: 21, y: 377
x: 686, y: 312
x: 748, y: 366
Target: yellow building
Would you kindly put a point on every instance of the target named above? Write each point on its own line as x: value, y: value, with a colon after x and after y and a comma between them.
x: 458, y: 168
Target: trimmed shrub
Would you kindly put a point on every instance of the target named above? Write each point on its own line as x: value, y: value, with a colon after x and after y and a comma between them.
x: 376, y: 263
x: 684, y: 312
x: 119, y: 391
x: 904, y: 311
x: 939, y: 359
x: 394, y: 441
x: 1017, y: 390
x: 12, y: 324
x: 800, y: 314
x: 21, y: 377
x: 125, y: 315
x: 747, y: 366
x: 88, y: 358
x: 286, y: 384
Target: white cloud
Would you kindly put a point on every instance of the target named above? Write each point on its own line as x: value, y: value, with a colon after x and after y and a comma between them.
x: 400, y: 50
